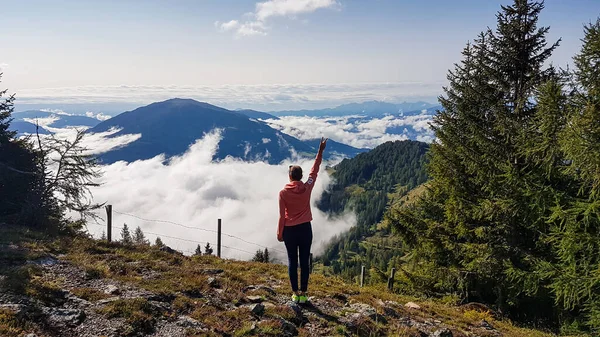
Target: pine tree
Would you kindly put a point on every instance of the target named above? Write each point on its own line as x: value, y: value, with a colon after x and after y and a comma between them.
x: 125, y: 235
x: 138, y: 237
x: 198, y: 251
x: 474, y: 224
x: 266, y: 257
x: 575, y: 215
x: 259, y: 256
x: 158, y: 242
x: 208, y: 249
x: 6, y: 109
x: 103, y: 236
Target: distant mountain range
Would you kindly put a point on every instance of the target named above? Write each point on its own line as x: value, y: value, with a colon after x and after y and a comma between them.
x: 60, y: 120
x: 368, y: 109
x: 171, y: 126
x: 23, y: 128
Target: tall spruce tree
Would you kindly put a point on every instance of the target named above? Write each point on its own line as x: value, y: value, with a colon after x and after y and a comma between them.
x: 575, y: 216
x: 475, y: 225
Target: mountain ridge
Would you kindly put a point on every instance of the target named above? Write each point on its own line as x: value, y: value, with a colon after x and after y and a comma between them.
x: 170, y: 127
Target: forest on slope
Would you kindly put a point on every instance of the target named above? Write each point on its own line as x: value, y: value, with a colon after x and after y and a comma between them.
x: 365, y: 185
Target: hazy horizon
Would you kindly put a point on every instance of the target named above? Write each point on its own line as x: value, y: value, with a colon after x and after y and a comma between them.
x: 265, y: 55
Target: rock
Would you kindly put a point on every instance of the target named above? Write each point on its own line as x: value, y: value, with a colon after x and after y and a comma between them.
x: 412, y: 305
x: 112, y: 290
x: 340, y: 297
x: 289, y: 329
x: 31, y: 335
x: 63, y: 317
x: 107, y: 300
x: 77, y: 300
x: 168, y: 250
x: 364, y: 310
x: 211, y: 271
x: 390, y: 312
x: 486, y: 325
x: 442, y: 333
x: 213, y: 282
x: 254, y: 299
x: 46, y: 261
x: 18, y: 309
x: 269, y: 305
x: 267, y: 289
x: 258, y: 309
x: 188, y: 322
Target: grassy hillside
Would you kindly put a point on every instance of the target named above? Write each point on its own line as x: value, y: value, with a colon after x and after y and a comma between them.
x: 67, y: 286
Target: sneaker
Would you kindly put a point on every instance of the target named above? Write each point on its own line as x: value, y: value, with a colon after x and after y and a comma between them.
x: 295, y: 298
x: 302, y: 299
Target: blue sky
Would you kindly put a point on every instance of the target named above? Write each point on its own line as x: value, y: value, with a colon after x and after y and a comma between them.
x: 47, y: 47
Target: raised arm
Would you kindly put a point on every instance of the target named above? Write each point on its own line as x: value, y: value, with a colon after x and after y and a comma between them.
x: 312, y: 177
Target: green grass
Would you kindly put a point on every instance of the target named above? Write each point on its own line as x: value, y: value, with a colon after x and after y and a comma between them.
x: 140, y: 315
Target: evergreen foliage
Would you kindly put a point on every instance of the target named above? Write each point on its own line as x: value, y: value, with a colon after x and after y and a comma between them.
x: 158, y: 242
x: 511, y: 214
x: 126, y: 235
x: 261, y: 256
x: 41, y: 179
x: 208, y: 249
x: 365, y: 185
x: 139, y: 238
x: 198, y: 251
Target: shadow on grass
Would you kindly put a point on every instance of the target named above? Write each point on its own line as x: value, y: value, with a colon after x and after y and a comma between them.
x: 315, y: 310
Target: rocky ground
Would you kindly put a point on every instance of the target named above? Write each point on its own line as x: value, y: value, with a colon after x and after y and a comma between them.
x: 64, y: 298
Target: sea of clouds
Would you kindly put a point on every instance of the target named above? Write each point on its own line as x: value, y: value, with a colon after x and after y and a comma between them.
x: 354, y: 130
x: 194, y: 191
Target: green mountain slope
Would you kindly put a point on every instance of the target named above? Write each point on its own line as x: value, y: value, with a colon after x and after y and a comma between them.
x: 365, y: 185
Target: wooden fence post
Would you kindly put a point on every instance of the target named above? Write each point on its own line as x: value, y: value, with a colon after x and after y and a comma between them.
x: 219, y: 238
x: 362, y: 276
x: 391, y: 280
x: 108, y: 223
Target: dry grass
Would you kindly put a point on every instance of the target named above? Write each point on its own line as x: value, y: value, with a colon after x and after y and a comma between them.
x: 184, y: 280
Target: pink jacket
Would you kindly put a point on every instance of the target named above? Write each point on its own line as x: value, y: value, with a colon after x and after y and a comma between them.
x: 294, y: 199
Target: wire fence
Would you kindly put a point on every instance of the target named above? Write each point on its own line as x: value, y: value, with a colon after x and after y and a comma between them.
x: 219, y: 233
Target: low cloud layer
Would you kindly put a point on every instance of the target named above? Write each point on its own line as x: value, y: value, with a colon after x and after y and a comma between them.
x: 260, y: 97
x: 256, y: 22
x: 194, y: 191
x: 355, y: 131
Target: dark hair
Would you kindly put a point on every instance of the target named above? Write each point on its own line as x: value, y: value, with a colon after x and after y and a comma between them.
x: 295, y: 172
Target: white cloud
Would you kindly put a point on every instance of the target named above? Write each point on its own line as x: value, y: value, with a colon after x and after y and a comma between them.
x: 194, y: 191
x: 3, y: 66
x: 99, y: 116
x: 256, y: 25
x: 227, y: 26
x: 352, y: 130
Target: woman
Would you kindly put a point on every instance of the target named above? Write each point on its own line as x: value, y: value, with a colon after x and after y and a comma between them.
x: 294, y: 226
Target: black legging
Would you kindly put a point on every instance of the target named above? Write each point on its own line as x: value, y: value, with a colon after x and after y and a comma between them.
x: 298, y: 238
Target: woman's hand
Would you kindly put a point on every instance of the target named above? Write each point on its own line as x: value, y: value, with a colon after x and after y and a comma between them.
x: 280, y: 237
x: 323, y: 144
